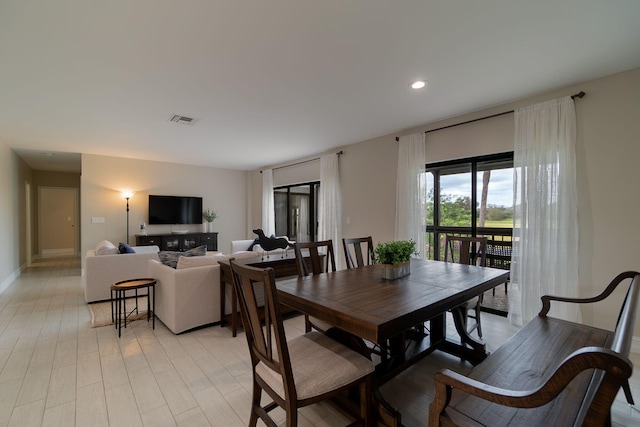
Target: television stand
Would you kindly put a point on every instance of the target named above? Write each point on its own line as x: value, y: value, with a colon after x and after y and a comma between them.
x: 179, y: 242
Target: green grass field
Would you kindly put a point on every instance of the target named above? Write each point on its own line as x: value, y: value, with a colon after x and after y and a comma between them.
x: 507, y: 223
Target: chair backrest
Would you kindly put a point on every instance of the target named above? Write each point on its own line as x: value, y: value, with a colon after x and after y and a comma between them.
x: 319, y: 263
x: 353, y: 248
x: 465, y: 250
x: 499, y: 254
x: 267, y: 344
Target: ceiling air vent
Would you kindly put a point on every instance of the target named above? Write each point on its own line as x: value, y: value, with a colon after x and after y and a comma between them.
x: 176, y: 118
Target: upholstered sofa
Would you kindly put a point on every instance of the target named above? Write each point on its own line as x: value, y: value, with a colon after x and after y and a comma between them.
x: 188, y: 296
x: 104, y: 267
x: 242, y: 245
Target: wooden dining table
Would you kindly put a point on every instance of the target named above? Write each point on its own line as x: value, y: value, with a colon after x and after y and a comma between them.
x: 386, y: 312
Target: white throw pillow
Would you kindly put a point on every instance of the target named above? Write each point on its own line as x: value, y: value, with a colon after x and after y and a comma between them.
x: 105, y: 247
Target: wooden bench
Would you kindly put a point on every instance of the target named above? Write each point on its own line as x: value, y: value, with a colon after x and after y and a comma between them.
x: 551, y: 372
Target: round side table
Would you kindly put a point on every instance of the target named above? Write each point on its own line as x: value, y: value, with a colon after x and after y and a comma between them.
x: 118, y: 297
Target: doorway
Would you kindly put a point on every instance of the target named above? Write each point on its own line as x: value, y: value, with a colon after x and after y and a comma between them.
x: 296, y: 211
x: 57, y: 214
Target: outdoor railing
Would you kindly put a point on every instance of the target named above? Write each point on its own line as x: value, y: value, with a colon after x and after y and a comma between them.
x: 499, y: 244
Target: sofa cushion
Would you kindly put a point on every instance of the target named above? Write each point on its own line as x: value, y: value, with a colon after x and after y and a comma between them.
x: 244, y: 254
x: 124, y: 248
x: 198, y: 261
x: 255, y: 242
x: 170, y: 258
x: 105, y: 247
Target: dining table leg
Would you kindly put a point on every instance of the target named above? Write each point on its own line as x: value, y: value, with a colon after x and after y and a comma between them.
x: 470, y: 348
x: 385, y: 414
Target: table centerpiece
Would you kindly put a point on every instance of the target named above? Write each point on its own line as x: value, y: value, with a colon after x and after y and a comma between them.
x: 394, y: 257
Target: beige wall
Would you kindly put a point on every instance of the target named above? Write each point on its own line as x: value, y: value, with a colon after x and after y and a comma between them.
x: 608, y: 149
x: 104, y: 178
x: 13, y: 174
x: 56, y: 179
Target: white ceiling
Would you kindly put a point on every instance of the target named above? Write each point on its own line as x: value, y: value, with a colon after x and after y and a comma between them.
x: 271, y: 81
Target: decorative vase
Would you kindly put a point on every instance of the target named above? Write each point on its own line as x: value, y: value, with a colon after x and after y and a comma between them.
x: 209, y: 227
x: 396, y: 271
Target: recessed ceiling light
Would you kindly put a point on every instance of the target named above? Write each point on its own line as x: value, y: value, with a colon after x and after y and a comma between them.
x: 418, y: 84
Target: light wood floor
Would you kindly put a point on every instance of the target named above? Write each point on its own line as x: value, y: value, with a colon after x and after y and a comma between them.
x: 55, y: 370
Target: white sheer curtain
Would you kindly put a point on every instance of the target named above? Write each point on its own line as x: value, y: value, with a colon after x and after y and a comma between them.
x: 411, y: 196
x: 303, y: 218
x: 545, y: 232
x: 330, y: 203
x: 268, y: 205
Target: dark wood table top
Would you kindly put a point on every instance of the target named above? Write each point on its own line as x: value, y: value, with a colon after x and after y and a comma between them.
x: 361, y: 302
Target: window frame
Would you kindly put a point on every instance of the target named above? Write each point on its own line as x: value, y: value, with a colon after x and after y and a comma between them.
x: 463, y: 164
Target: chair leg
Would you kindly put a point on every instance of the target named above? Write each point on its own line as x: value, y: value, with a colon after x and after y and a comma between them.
x: 292, y: 414
x: 479, y: 327
x: 366, y: 405
x: 307, y: 324
x: 255, y: 405
x: 627, y: 393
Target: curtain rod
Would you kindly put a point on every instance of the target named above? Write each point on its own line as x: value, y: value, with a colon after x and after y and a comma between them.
x: 339, y: 153
x: 577, y: 95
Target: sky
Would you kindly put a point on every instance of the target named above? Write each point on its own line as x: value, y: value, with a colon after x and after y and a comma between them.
x: 500, y: 186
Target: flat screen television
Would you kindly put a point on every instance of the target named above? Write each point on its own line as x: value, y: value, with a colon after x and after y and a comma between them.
x: 175, y: 210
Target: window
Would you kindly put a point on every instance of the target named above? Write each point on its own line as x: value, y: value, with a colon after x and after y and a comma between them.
x: 469, y: 197
x: 296, y: 213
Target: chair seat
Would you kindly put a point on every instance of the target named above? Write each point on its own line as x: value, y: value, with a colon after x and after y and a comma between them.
x: 320, y: 325
x: 320, y: 365
x: 470, y: 303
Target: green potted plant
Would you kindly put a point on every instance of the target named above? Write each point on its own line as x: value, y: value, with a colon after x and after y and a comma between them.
x: 209, y: 216
x: 394, y: 257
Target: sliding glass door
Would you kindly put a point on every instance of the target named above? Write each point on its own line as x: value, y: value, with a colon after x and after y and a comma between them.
x: 469, y: 197
x: 296, y: 213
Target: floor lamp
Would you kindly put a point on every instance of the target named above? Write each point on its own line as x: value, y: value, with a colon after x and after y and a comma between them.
x: 127, y: 195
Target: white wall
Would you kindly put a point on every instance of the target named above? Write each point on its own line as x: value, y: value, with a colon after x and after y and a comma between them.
x: 104, y: 178
x: 13, y: 174
x: 608, y: 149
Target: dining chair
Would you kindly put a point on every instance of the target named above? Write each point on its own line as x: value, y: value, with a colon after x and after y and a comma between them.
x: 473, y: 251
x: 358, y: 252
x: 321, y: 259
x: 499, y: 256
x: 296, y: 373
x: 354, y: 255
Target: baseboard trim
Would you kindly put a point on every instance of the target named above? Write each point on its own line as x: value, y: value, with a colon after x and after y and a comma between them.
x: 9, y: 280
x: 56, y: 253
